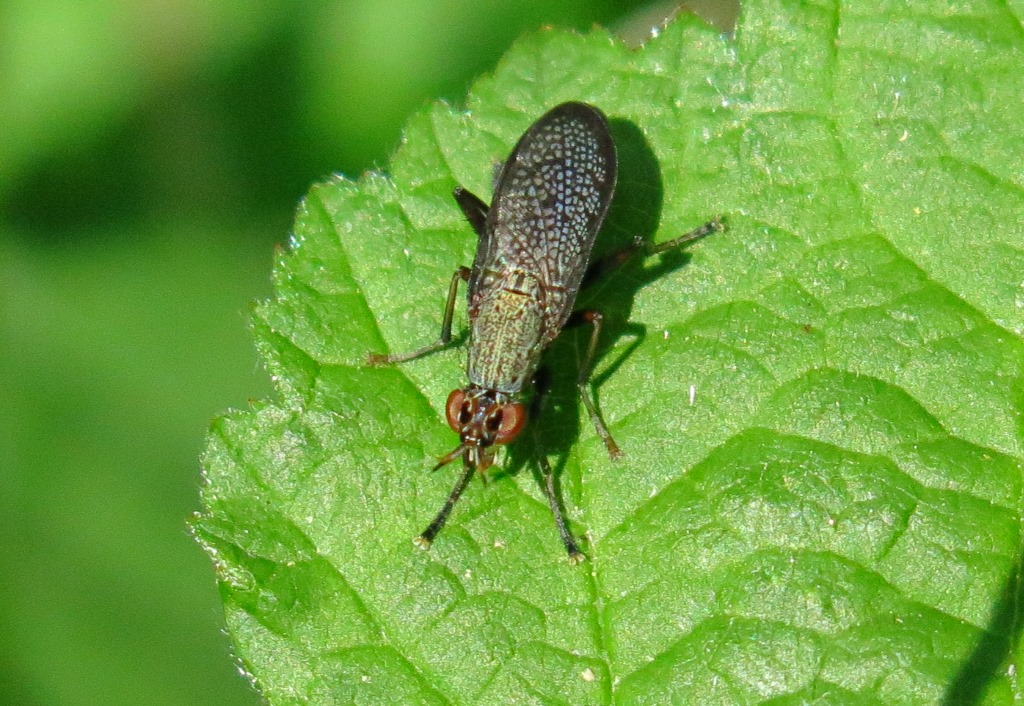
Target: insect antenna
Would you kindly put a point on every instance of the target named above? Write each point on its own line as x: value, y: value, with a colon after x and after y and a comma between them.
x: 449, y: 457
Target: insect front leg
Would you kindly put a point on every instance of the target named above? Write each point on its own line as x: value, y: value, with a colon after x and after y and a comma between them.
x: 568, y: 541
x: 426, y: 538
x: 571, y: 548
x: 582, y: 383
x: 446, y: 327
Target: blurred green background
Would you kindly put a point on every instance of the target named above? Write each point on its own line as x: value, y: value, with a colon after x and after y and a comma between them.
x: 151, y: 155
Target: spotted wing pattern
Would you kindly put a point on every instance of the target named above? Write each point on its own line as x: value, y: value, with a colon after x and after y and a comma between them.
x: 549, y: 201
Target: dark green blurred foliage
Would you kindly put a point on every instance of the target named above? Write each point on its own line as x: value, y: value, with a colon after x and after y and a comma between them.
x: 232, y: 109
x: 152, y: 154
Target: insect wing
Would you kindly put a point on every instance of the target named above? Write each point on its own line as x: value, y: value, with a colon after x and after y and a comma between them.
x: 549, y: 201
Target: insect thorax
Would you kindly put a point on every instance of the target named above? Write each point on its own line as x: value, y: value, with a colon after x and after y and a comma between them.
x: 507, y: 334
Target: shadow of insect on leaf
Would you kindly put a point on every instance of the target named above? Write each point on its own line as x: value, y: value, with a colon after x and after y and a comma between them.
x: 996, y: 645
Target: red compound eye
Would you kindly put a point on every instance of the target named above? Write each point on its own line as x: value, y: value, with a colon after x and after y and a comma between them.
x: 453, y: 410
x: 513, y: 419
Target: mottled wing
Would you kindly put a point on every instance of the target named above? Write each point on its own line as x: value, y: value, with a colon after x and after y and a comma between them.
x: 549, y: 201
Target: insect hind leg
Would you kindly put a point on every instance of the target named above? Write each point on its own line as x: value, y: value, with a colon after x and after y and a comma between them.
x: 473, y: 208
x: 716, y: 225
x: 611, y: 262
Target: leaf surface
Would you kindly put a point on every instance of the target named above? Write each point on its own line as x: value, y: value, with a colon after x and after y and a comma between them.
x: 821, y: 408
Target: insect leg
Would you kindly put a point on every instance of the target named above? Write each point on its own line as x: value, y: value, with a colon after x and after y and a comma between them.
x: 614, y: 260
x: 715, y: 226
x: 571, y: 548
x: 540, y: 384
x: 424, y: 540
x: 473, y: 208
x: 594, y: 317
x: 446, y: 328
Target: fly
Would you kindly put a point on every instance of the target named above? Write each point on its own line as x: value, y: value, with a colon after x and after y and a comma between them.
x: 550, y: 199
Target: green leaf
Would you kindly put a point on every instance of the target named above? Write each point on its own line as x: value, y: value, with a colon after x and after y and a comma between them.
x: 822, y: 409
